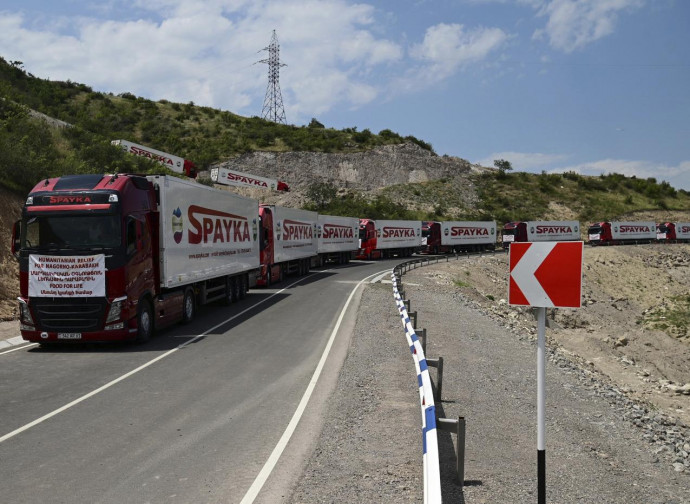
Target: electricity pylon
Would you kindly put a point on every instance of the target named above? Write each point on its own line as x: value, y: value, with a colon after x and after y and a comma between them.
x: 273, y: 109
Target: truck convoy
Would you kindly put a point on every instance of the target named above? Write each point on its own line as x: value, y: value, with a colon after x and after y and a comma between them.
x: 673, y: 232
x: 618, y: 233
x: 540, y: 231
x: 115, y: 257
x: 458, y: 236
x: 225, y: 176
x: 111, y: 257
x: 388, y: 238
x: 338, y: 239
x: 288, y: 242
x: 175, y: 163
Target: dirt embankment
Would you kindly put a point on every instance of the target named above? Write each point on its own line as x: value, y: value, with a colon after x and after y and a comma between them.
x: 633, y: 326
x: 10, y: 211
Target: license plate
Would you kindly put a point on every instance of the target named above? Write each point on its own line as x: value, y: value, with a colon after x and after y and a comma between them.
x: 69, y: 335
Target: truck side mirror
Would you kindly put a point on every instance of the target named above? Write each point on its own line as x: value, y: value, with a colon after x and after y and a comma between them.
x: 16, y: 238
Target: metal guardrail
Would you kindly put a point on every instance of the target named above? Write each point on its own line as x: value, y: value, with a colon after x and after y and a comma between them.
x: 417, y: 339
x: 432, y: 475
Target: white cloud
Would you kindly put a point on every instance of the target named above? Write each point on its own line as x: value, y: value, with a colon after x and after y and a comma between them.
x: 524, y: 161
x: 678, y: 176
x: 447, y: 48
x: 573, y: 24
x: 640, y: 169
x: 206, y: 52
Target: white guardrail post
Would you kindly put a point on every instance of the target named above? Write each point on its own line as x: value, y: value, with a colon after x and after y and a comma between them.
x: 432, y: 475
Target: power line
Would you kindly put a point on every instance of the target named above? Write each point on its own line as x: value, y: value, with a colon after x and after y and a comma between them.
x: 273, y: 109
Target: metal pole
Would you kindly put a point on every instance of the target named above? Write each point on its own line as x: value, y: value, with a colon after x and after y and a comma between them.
x: 460, y: 459
x: 541, y: 405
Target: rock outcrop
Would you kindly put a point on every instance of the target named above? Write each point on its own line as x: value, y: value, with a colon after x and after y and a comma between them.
x: 361, y: 171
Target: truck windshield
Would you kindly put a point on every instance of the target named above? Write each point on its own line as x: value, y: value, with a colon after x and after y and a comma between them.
x: 362, y: 232
x: 594, y: 230
x: 72, y: 232
x: 510, y: 232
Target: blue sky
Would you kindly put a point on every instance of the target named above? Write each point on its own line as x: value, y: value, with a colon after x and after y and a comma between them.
x: 592, y: 86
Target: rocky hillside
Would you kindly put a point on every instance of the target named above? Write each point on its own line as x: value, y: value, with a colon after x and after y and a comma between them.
x: 363, y: 172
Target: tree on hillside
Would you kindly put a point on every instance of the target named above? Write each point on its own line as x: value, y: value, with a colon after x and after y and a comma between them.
x: 321, y: 194
x: 503, y: 166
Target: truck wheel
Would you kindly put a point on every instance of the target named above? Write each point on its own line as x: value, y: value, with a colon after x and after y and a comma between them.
x: 268, y: 277
x: 244, y: 281
x: 229, y: 298
x: 144, y: 322
x: 236, y: 289
x: 188, y: 306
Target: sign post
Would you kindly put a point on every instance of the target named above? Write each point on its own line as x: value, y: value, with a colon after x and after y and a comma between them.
x: 544, y: 275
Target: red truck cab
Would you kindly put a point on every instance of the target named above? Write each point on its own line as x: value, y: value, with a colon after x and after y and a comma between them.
x: 270, y: 271
x: 666, y: 232
x: 514, y: 232
x: 431, y: 232
x: 367, y: 240
x: 599, y: 233
x: 98, y: 234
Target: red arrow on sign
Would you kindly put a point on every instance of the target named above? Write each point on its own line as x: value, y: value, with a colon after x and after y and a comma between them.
x: 546, y: 274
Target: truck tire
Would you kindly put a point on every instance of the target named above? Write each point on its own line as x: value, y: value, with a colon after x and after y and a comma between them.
x: 144, y: 322
x: 188, y: 308
x: 236, y: 289
x: 229, y: 297
x: 244, y: 281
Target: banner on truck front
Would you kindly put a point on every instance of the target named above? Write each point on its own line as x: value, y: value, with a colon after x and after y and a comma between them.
x: 66, y: 276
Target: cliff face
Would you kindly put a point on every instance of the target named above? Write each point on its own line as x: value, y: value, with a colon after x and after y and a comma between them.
x: 361, y: 171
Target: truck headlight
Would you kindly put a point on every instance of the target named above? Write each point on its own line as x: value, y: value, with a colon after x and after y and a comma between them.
x: 24, y: 313
x: 116, y: 309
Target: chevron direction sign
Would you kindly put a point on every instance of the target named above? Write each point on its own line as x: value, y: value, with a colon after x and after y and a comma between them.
x: 546, y: 274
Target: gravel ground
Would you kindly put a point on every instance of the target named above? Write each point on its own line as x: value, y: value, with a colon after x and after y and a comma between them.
x: 601, y: 446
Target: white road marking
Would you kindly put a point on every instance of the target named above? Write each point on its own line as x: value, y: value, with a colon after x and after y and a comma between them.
x: 265, y: 472
x: 83, y: 398
x: 22, y: 347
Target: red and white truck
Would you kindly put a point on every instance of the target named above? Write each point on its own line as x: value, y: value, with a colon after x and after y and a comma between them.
x: 388, y: 238
x: 229, y: 177
x: 338, y: 239
x: 175, y: 163
x: 288, y: 242
x: 673, y: 232
x: 115, y: 257
x: 458, y: 236
x: 540, y: 231
x: 618, y: 233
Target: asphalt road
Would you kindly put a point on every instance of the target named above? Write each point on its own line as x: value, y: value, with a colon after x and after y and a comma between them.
x: 199, y: 414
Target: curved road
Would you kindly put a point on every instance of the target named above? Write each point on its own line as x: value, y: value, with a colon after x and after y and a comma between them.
x: 199, y: 414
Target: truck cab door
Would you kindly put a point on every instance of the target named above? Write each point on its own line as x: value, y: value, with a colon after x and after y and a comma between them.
x: 139, y: 274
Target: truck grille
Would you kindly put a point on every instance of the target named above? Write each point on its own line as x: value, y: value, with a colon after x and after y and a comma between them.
x: 69, y: 315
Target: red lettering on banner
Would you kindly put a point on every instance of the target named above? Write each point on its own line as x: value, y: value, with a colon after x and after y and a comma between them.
x: 295, y: 230
x: 553, y: 229
x: 214, y: 226
x: 468, y: 231
x: 247, y: 180
x: 336, y: 231
x: 396, y: 232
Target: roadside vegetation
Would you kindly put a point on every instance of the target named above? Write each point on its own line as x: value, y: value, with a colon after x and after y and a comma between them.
x: 521, y: 196
x: 202, y: 134
x: 31, y: 149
